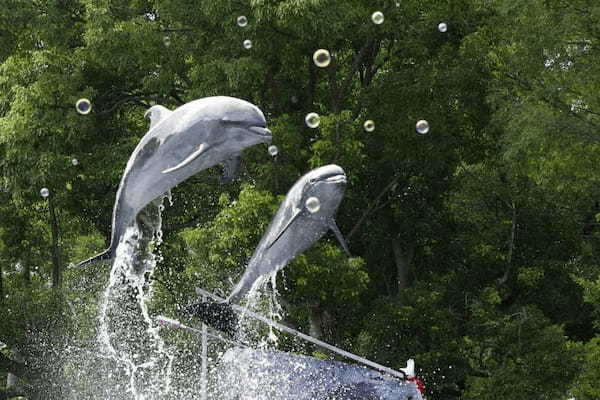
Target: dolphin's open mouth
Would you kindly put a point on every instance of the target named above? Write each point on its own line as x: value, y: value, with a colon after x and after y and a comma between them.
x: 336, y: 179
x: 339, y: 178
x: 260, y: 130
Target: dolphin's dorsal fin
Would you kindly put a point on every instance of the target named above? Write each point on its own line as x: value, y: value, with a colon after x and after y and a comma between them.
x: 201, y: 149
x: 231, y: 169
x: 338, y: 235
x: 297, y: 213
x: 409, y: 371
x: 156, y: 114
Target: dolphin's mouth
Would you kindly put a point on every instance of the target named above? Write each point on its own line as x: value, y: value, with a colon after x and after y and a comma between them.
x: 260, y: 130
x: 339, y: 178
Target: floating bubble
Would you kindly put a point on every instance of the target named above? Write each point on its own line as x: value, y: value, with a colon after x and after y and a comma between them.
x: 442, y: 27
x: 83, y: 106
x: 242, y: 21
x: 312, y: 120
x: 75, y: 162
x: 322, y: 58
x: 369, y: 126
x: 313, y: 204
x: 294, y: 99
x: 247, y: 44
x: 397, y: 4
x: 273, y: 150
x: 69, y: 186
x: 422, y: 127
x: 377, y: 18
x: 44, y: 192
x: 167, y: 41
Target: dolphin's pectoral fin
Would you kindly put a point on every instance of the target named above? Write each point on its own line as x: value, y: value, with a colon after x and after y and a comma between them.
x: 203, y: 148
x: 103, y: 258
x: 339, y: 236
x: 231, y: 169
x: 297, y: 213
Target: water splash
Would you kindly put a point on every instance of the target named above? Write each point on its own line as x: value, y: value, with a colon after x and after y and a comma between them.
x: 128, y: 338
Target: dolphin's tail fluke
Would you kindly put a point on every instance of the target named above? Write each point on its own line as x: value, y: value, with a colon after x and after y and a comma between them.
x: 218, y: 315
x: 103, y: 258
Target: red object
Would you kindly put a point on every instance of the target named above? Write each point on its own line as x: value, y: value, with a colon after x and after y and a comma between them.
x: 420, y: 384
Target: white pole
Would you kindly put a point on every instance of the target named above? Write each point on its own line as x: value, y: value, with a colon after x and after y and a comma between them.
x: 204, y: 371
x: 301, y: 335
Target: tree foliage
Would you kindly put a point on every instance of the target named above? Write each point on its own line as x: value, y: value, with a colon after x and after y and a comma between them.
x: 475, y: 247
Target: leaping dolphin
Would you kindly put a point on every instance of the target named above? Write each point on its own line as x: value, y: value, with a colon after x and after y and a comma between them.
x: 293, y: 230
x: 179, y: 144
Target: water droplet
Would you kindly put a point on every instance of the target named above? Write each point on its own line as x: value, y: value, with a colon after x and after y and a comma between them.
x: 83, y: 106
x: 313, y: 204
x: 273, y: 150
x: 242, y: 21
x: 45, y: 193
x: 312, y: 120
x: 322, y: 58
x: 294, y: 99
x: 167, y: 41
x: 442, y: 27
x: 75, y: 162
x: 69, y: 186
x: 247, y: 44
x: 422, y: 127
x: 397, y: 4
x: 377, y: 18
x: 369, y: 126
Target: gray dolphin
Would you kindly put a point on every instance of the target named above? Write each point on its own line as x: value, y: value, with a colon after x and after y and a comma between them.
x: 294, y: 228
x: 179, y: 144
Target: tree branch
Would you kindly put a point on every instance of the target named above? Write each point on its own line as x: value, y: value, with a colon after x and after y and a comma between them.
x: 373, y: 206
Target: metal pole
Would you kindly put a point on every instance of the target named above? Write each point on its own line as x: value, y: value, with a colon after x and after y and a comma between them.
x: 204, y: 370
x: 308, y: 338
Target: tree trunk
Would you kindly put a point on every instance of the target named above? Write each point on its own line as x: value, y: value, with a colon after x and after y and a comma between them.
x: 403, y: 257
x: 26, y: 274
x: 1, y: 286
x: 315, y: 320
x: 56, y: 267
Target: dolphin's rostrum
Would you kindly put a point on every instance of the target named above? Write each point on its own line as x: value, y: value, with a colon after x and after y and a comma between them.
x: 293, y: 230
x: 179, y: 144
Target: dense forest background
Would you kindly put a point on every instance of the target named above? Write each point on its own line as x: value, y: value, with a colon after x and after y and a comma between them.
x: 475, y: 247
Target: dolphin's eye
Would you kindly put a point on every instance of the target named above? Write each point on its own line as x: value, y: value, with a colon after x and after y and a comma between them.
x: 312, y: 180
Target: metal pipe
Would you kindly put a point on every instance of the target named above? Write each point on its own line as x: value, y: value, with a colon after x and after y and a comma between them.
x: 204, y: 370
x: 303, y: 336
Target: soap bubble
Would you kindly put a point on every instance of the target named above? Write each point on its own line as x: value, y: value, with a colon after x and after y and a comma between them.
x: 273, y: 150
x: 83, y: 106
x: 312, y: 120
x: 313, y: 204
x: 247, y: 44
x: 442, y: 27
x: 369, y: 126
x: 322, y: 58
x: 422, y: 127
x: 44, y: 192
x: 167, y: 41
x: 377, y: 18
x: 242, y: 21
x: 75, y: 162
